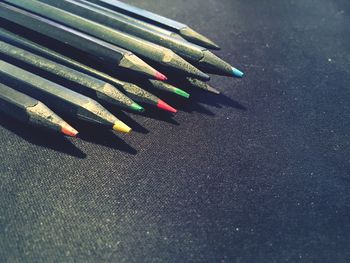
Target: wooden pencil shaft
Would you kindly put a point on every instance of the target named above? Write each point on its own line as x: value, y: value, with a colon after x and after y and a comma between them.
x: 15, y: 103
x: 43, y: 51
x: 130, y: 19
x: 100, y: 88
x: 81, y: 41
x: 33, y: 83
x: 141, y: 13
x: 140, y: 46
x: 56, y: 95
x: 82, y: 8
x: 29, y: 110
x: 132, y: 91
x: 175, y: 26
x: 194, y: 53
x: 113, y: 36
x: 50, y: 66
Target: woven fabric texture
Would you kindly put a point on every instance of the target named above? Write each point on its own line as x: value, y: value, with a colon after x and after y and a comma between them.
x: 258, y: 174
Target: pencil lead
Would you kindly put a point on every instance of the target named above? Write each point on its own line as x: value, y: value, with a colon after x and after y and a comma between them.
x: 182, y: 93
x: 203, y: 76
x: 220, y: 67
x: 237, y: 73
x: 69, y: 131
x: 137, y: 107
x: 212, y: 90
x: 160, y: 76
x: 163, y: 105
x: 202, y: 85
x: 212, y: 45
x: 121, y: 127
x: 174, y: 60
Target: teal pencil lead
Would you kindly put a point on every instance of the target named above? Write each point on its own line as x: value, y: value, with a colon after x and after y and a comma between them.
x: 237, y: 73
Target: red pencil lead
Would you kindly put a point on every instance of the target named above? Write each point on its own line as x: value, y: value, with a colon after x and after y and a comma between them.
x: 163, y: 105
x: 160, y: 76
x: 67, y: 130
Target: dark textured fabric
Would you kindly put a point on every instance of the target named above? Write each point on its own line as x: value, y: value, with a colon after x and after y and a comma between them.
x: 259, y: 174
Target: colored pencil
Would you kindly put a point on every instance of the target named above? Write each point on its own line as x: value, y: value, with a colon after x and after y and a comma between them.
x: 141, y: 95
x: 199, y: 55
x: 59, y: 97
x: 161, y: 21
x: 29, y: 110
x: 101, y: 50
x: 132, y: 20
x: 201, y: 85
x: 135, y: 44
x: 101, y: 89
x: 133, y: 91
x: 161, y: 85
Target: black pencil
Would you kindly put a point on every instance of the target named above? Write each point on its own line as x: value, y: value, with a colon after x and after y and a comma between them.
x: 161, y: 21
x: 102, y: 50
x: 131, y: 90
x: 135, y: 44
x: 29, y: 110
x: 194, y: 53
x: 59, y: 97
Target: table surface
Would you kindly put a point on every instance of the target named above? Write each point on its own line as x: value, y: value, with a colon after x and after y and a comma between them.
x: 258, y: 174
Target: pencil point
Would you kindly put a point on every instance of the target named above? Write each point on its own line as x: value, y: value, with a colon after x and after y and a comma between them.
x: 202, y: 85
x: 198, y: 38
x: 162, y: 105
x: 121, y: 127
x: 160, y: 76
x: 213, y: 45
x: 137, y: 107
x: 69, y: 131
x: 212, y: 90
x: 204, y: 76
x: 182, y: 93
x: 237, y: 73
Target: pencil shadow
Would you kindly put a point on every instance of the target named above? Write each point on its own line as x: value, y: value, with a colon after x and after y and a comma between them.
x: 101, y: 135
x: 159, y: 115
x: 186, y: 105
x: 41, y: 137
x: 198, y: 100
x: 150, y: 112
x: 219, y: 101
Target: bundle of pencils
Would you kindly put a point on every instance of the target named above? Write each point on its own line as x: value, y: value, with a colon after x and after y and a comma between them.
x: 46, y: 49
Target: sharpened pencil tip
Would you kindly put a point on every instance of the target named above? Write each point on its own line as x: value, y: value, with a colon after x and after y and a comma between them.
x: 137, y: 107
x: 204, y: 76
x: 182, y: 93
x: 121, y: 127
x: 163, y: 105
x: 160, y: 76
x: 237, y: 73
x: 197, y: 38
x: 213, y: 45
x: 69, y: 131
x: 215, y: 91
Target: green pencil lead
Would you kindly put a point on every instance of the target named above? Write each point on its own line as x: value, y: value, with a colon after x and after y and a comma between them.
x: 137, y: 107
x: 182, y: 93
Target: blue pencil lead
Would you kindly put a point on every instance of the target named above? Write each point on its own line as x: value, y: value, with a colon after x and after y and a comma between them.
x: 237, y: 73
